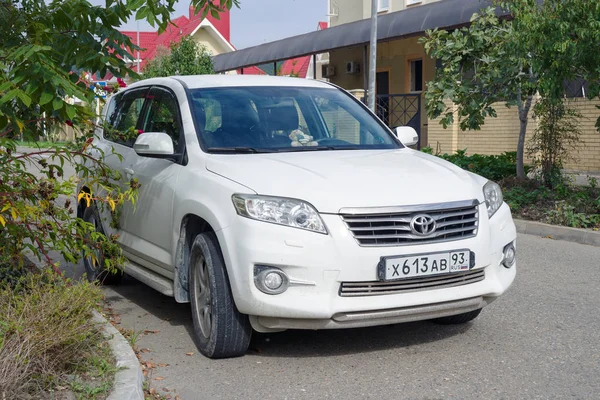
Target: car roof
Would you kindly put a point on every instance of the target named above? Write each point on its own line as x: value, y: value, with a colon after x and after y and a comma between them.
x: 211, y: 81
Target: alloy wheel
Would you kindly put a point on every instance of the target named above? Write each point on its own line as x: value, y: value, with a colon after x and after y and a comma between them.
x: 203, y: 296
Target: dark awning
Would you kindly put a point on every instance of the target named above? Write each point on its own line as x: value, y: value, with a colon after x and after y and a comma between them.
x: 410, y: 22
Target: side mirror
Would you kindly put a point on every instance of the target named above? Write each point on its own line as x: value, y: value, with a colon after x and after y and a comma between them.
x: 154, y: 144
x: 407, y: 135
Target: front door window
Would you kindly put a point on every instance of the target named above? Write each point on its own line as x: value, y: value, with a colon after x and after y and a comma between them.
x: 163, y: 115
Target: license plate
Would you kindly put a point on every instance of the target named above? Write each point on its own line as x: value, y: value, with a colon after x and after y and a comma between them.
x: 418, y: 265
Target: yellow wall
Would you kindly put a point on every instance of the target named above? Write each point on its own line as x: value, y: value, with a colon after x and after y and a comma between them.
x: 587, y: 155
x: 338, y: 59
x: 393, y: 56
x: 213, y: 46
x: 501, y: 134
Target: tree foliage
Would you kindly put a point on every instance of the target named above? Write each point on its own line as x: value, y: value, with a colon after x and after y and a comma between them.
x: 48, y: 51
x: 185, y: 57
x: 510, y: 60
x: 477, y: 70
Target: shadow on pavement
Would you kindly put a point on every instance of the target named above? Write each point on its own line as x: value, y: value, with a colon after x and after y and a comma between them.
x: 295, y: 343
x: 161, y: 306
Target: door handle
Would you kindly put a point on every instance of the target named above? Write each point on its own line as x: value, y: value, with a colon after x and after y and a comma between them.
x: 129, y: 172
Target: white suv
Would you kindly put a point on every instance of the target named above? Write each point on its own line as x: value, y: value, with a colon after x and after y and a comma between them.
x: 281, y: 203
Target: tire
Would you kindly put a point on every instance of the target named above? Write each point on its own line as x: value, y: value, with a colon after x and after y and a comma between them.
x: 458, y: 319
x: 220, y: 330
x: 94, y: 271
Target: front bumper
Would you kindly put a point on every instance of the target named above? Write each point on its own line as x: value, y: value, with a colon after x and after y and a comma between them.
x: 320, y: 263
x: 362, y: 319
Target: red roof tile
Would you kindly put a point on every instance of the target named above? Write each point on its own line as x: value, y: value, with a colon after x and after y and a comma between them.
x: 148, y: 41
x: 180, y: 27
x: 251, y: 71
x: 296, y: 67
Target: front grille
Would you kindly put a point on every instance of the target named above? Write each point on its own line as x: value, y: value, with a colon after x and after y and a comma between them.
x: 454, y: 221
x: 376, y: 288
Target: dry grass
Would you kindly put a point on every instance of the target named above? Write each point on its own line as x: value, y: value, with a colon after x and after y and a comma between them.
x: 45, y: 333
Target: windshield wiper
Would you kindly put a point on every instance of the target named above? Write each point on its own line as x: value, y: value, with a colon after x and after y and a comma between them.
x: 237, y: 150
x: 315, y: 148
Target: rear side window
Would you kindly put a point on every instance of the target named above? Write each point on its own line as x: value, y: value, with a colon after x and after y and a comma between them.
x: 123, y: 115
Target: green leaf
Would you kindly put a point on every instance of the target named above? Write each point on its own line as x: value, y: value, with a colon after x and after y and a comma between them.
x: 46, y: 97
x: 9, y: 96
x: 57, y: 104
x: 71, y: 112
x: 24, y: 98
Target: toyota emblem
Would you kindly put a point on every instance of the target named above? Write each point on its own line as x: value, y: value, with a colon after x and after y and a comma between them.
x: 423, y: 225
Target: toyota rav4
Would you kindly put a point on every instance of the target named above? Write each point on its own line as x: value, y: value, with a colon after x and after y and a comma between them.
x: 281, y: 203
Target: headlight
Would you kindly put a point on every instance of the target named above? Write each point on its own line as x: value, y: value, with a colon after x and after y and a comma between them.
x: 279, y: 210
x: 493, y: 197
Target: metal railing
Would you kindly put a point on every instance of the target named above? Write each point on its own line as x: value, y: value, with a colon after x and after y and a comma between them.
x: 400, y: 110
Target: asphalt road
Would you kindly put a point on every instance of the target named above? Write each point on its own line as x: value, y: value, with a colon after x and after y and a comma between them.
x: 540, y: 340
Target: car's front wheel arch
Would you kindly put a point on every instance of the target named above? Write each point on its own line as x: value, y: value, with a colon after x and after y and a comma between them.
x: 191, y: 226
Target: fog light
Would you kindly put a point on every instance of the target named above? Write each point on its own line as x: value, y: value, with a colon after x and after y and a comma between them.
x: 273, y: 280
x: 510, y: 255
x: 270, y: 280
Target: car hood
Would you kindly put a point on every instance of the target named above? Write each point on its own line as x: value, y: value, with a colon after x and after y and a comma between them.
x: 331, y: 180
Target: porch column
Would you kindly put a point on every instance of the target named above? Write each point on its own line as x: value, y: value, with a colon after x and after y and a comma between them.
x: 314, y: 57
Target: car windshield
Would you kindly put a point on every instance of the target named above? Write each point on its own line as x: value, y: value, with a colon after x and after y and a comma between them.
x: 284, y: 119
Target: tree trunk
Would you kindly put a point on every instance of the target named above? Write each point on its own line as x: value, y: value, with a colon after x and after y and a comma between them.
x: 523, y: 119
x: 521, y: 148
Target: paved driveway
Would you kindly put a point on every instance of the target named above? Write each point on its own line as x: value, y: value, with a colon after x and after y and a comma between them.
x: 541, y: 340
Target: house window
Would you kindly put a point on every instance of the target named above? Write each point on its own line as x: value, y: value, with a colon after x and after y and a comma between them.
x: 411, y: 2
x: 416, y: 75
x: 384, y: 5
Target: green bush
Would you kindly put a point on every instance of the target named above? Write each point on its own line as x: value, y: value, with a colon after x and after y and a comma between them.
x: 565, y: 204
x: 566, y: 214
x: 492, y: 167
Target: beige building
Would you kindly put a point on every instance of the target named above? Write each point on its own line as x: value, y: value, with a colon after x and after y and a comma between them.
x: 402, y: 66
x: 403, y: 70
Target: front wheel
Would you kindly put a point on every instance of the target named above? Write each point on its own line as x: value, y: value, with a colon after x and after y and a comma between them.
x: 458, y: 319
x: 94, y: 266
x: 220, y: 330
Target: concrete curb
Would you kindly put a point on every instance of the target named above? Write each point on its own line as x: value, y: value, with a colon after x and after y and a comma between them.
x: 582, y: 236
x: 129, y: 379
